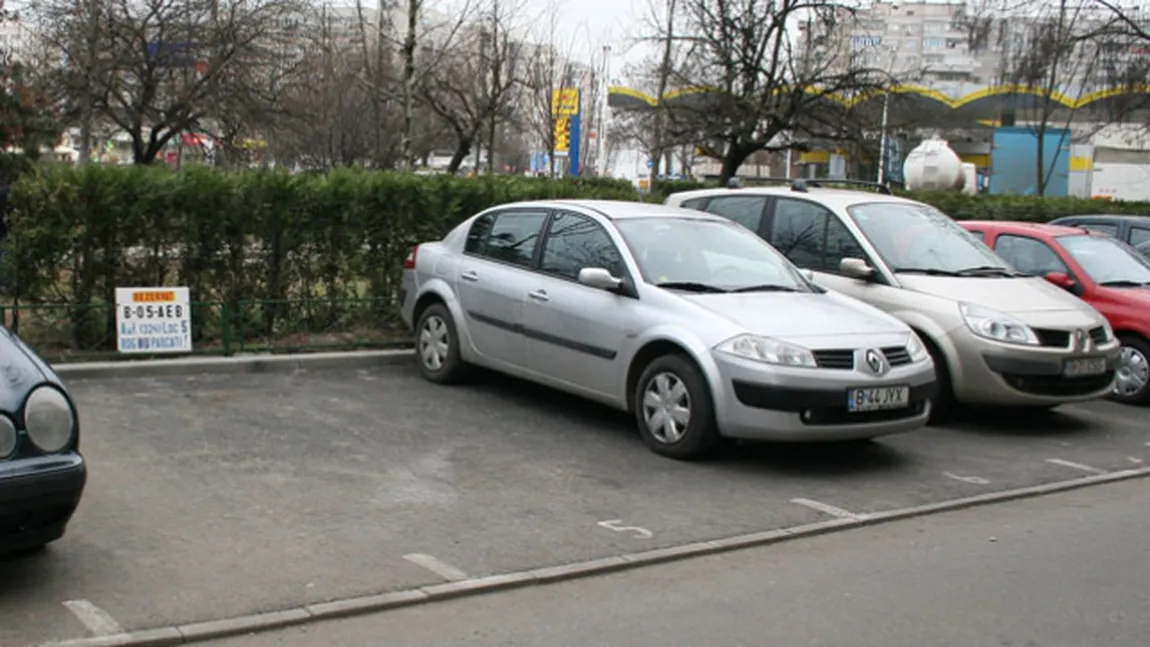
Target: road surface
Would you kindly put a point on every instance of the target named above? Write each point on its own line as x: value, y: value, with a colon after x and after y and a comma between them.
x: 1068, y: 570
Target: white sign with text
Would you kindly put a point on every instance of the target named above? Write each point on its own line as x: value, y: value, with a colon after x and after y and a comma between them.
x: 153, y: 320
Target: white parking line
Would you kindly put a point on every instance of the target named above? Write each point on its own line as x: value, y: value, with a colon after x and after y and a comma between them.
x: 826, y: 508
x: 1077, y: 466
x: 976, y: 480
x: 442, y: 569
x: 94, y: 618
x: 1134, y: 460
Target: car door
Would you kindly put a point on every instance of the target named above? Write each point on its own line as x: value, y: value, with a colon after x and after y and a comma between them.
x: 494, y: 277
x: 575, y: 333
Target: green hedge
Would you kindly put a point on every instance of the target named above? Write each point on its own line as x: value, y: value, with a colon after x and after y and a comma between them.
x: 278, y: 255
x: 279, y: 259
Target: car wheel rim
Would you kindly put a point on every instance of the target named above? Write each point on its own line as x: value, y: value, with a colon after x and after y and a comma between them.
x: 1133, y: 372
x: 433, y: 343
x: 666, y: 407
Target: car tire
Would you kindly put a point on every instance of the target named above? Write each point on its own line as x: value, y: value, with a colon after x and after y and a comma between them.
x: 437, y: 346
x: 675, y: 381
x: 1132, y: 369
x: 944, y: 405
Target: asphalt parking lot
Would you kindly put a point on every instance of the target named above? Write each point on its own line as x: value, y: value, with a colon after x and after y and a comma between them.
x: 214, y: 496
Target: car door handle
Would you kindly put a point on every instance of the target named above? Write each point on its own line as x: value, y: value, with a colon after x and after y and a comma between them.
x: 539, y: 295
x: 470, y: 276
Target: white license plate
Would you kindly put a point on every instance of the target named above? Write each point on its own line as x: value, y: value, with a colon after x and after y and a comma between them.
x: 878, y: 398
x: 1084, y: 366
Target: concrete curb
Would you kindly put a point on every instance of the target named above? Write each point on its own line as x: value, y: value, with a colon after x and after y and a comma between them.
x: 215, y: 629
x: 266, y: 363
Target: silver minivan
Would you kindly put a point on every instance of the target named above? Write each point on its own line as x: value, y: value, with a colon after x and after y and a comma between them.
x: 998, y: 337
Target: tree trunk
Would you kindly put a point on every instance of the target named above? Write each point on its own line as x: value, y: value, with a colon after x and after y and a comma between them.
x: 733, y: 159
x: 405, y: 141
x: 461, y: 151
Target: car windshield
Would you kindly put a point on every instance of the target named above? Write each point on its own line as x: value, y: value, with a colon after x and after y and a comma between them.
x: 916, y: 238
x: 1106, y: 260
x: 707, y: 256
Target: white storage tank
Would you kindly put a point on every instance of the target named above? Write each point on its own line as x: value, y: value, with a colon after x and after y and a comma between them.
x: 933, y: 165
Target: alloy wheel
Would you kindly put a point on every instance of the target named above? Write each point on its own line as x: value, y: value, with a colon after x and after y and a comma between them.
x: 1133, y: 372
x: 433, y: 342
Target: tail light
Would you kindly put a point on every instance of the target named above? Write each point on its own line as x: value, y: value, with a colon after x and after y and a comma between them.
x: 409, y: 262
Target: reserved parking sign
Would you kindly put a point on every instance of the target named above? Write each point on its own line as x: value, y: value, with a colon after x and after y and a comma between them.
x: 153, y: 320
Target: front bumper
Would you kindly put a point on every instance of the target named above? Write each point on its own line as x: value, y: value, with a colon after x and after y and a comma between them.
x: 991, y: 373
x: 37, y: 499
x: 804, y: 405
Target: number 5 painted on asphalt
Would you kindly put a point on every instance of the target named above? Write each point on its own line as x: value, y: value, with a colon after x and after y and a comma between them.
x: 616, y: 525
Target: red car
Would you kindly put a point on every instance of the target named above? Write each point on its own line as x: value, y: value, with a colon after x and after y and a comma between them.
x: 1103, y: 271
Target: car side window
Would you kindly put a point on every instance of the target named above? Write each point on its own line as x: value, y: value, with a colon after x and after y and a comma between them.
x: 1029, y: 255
x: 747, y: 210
x: 799, y: 231
x: 981, y: 236
x: 697, y: 204
x: 507, y: 236
x: 574, y: 242
x: 1109, y: 230
x: 840, y: 244
x: 1139, y: 236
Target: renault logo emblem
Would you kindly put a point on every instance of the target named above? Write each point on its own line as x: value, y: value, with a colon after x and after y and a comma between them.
x: 1081, y: 340
x: 875, y: 362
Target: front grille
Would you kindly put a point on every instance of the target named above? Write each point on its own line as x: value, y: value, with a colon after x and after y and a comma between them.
x: 837, y: 358
x: 1053, y: 338
x: 896, y: 355
x: 1056, y: 385
x: 1098, y: 335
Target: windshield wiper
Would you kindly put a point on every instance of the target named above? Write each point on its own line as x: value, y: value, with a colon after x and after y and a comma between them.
x: 1123, y: 283
x: 691, y: 286
x: 929, y: 271
x: 987, y: 270
x: 767, y: 287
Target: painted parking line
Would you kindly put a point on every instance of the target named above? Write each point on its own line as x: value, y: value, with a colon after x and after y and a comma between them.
x: 442, y: 569
x: 826, y: 508
x: 94, y: 618
x: 1076, y: 466
x: 976, y: 480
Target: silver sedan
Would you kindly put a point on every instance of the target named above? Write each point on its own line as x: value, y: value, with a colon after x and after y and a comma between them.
x: 689, y: 321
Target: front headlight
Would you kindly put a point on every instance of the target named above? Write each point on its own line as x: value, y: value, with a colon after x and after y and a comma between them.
x: 999, y: 326
x: 765, y: 349
x: 915, y: 349
x: 7, y: 436
x: 48, y: 419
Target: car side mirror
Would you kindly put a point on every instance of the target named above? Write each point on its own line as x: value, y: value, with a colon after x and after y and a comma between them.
x: 1061, y: 280
x: 597, y: 277
x: 808, y: 275
x: 857, y: 268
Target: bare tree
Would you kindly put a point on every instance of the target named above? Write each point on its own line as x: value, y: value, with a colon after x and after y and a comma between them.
x: 473, y: 83
x: 549, y: 70
x: 1061, y: 52
x: 765, y: 80
x: 162, y: 68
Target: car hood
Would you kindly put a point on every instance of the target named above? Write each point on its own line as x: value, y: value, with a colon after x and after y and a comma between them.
x: 791, y: 315
x: 1009, y: 295
x: 19, y: 371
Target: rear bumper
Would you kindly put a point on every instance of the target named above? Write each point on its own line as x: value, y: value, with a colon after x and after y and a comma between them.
x: 37, y: 499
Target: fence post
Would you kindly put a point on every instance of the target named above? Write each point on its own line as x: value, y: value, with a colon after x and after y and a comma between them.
x: 226, y: 328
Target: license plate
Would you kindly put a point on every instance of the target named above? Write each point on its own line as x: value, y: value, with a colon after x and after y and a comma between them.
x: 878, y: 398
x: 1084, y: 366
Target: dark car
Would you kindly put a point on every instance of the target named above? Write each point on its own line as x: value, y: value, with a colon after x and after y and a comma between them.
x: 42, y: 474
x: 1134, y: 230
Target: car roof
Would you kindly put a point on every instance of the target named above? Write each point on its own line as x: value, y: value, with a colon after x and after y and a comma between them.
x: 1018, y: 227
x: 841, y: 198
x: 620, y: 209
